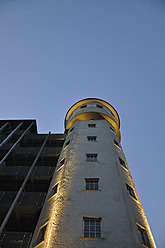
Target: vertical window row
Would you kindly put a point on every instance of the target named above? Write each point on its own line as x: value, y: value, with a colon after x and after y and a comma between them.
x: 141, y: 230
x: 92, y: 225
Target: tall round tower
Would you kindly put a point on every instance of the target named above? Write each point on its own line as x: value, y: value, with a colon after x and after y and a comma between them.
x: 92, y: 201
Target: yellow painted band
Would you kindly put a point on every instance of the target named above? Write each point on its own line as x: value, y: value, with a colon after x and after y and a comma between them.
x: 94, y: 116
x: 93, y: 100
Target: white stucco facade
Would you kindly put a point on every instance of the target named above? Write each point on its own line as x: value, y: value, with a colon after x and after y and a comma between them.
x: 112, y: 208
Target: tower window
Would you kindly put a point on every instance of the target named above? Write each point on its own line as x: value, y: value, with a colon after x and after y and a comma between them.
x: 92, y: 227
x: 92, y: 183
x: 130, y: 191
x: 67, y: 143
x: 91, y: 125
x: 84, y: 106
x: 41, y: 235
x: 112, y: 129
x: 143, y: 236
x: 61, y: 163
x: 122, y: 163
x: 91, y: 138
x: 55, y: 189
x: 99, y: 106
x: 116, y: 143
x: 91, y: 157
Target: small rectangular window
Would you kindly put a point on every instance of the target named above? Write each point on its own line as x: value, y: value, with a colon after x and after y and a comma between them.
x: 92, y: 183
x: 91, y: 125
x: 143, y: 236
x: 130, y: 191
x: 67, y: 143
x: 116, y: 143
x: 41, y: 235
x: 91, y: 138
x: 113, y: 130
x: 91, y: 157
x: 84, y: 106
x: 54, y: 189
x: 92, y: 227
x: 122, y: 163
x: 61, y: 163
x: 99, y: 106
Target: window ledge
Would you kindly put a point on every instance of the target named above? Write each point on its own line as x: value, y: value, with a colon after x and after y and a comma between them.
x: 91, y: 161
x: 92, y: 239
x: 117, y: 146
x: 113, y: 132
x: 124, y: 167
x: 92, y: 190
x: 66, y: 146
x: 91, y: 141
x: 133, y: 198
x: 145, y: 246
x: 60, y: 167
x: 52, y: 197
x: 36, y: 246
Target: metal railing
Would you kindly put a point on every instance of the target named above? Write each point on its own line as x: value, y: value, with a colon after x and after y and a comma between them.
x: 23, y: 184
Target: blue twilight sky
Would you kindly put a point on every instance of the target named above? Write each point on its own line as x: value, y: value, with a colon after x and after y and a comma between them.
x: 56, y: 52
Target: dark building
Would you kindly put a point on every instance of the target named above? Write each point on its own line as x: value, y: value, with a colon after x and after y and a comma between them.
x: 27, y: 164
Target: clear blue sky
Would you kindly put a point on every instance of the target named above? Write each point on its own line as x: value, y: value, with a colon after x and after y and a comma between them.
x: 56, y: 52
